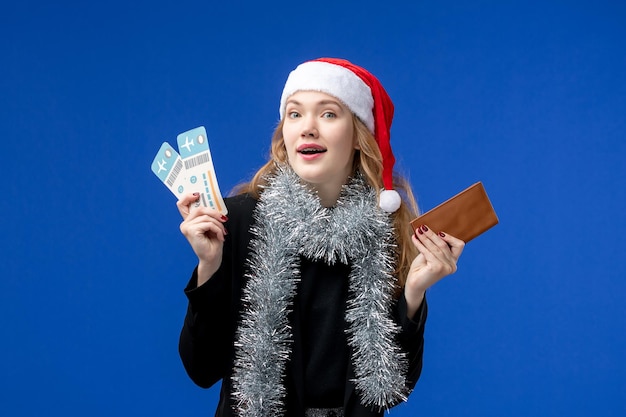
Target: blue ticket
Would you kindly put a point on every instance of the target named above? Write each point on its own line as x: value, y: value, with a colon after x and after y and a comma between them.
x: 199, y: 170
x: 169, y: 167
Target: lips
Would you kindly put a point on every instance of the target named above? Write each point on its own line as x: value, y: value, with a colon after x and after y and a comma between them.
x: 310, y: 149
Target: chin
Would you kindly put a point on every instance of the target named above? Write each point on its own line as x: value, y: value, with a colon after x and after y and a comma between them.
x: 306, y: 173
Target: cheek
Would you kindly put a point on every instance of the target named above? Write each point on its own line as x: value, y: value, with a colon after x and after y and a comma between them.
x: 289, y: 143
x: 288, y: 136
x: 350, y: 141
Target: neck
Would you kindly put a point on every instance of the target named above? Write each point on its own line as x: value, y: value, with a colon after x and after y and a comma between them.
x: 328, y: 198
x: 329, y: 192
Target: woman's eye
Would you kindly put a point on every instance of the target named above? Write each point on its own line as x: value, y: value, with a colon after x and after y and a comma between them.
x: 329, y: 115
x: 294, y: 114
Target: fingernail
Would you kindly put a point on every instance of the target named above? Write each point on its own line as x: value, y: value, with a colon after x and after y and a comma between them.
x: 196, y: 194
x: 415, y: 233
x: 225, y: 232
x: 419, y: 230
x: 224, y: 218
x: 425, y: 228
x: 442, y: 234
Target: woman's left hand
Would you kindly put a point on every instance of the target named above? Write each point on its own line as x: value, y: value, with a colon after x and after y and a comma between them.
x: 438, y: 256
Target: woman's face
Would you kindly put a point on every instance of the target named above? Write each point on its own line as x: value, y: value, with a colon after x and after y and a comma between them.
x: 319, y: 137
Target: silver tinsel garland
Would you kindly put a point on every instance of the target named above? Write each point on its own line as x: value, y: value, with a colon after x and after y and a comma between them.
x: 290, y: 222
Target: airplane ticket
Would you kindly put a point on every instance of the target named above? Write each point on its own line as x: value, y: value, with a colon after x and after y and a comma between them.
x: 197, y: 173
x: 168, y: 166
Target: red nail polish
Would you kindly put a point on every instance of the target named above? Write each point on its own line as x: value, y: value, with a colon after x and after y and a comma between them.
x: 224, y: 218
x: 424, y: 228
x: 225, y: 232
x: 442, y: 234
x: 419, y: 230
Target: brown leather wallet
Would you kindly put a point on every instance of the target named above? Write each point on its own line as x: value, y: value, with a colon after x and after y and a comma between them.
x: 465, y: 216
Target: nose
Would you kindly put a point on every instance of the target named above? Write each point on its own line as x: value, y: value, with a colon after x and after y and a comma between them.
x: 309, y: 128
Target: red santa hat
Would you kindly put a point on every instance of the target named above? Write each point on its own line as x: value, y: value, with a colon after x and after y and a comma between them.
x: 364, y: 95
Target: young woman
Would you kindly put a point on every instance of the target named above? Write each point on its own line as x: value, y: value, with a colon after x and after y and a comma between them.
x: 308, y: 300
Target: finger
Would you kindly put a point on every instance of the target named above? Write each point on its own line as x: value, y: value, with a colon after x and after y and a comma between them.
x: 436, y: 238
x: 203, y: 216
x: 456, y: 245
x: 427, y: 249
x: 437, y: 250
x: 417, y: 243
x: 434, y: 266
x: 200, y: 211
x: 204, y: 225
x: 433, y: 242
x: 213, y: 229
x: 184, y: 203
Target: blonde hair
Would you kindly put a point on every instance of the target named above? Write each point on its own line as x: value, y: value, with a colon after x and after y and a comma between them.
x: 368, y: 160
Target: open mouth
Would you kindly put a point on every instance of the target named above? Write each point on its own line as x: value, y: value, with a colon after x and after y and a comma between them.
x: 310, y: 149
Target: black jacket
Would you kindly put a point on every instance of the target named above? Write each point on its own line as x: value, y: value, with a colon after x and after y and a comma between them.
x: 206, y: 340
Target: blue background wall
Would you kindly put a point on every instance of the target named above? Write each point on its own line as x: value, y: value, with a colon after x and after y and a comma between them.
x: 527, y: 96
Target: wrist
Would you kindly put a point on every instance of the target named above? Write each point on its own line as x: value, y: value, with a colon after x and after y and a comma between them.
x: 205, y: 272
x: 414, y: 300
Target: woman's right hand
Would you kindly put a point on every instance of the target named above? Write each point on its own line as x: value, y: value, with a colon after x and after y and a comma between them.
x: 204, y: 229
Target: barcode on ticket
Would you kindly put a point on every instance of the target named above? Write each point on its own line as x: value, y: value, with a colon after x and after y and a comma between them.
x: 194, y: 161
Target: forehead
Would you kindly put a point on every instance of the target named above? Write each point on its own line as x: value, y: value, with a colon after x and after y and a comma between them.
x: 314, y: 97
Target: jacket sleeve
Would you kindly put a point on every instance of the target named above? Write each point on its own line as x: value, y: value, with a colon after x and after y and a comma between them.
x: 208, y: 332
x: 205, y: 344
x: 411, y: 337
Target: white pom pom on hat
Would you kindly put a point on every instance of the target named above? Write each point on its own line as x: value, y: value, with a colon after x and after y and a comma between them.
x: 364, y: 95
x: 389, y: 200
